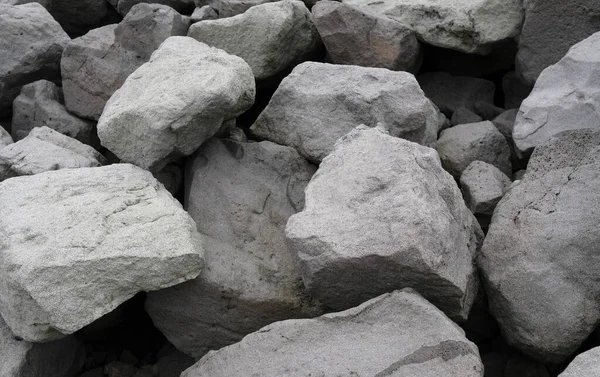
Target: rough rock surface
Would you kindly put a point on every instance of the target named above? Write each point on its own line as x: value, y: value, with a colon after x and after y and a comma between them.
x: 396, y: 334
x: 565, y: 97
x: 382, y: 214
x: 319, y: 103
x: 271, y: 37
x: 95, y: 65
x: 462, y: 115
x: 356, y: 37
x: 241, y: 196
x: 483, y: 185
x: 169, y: 106
x: 451, y: 93
x: 204, y: 13
x: 541, y: 46
x: 76, y: 243
x: 460, y: 145
x: 41, y: 104
x: 505, y: 123
x: 538, y: 258
x: 584, y: 365
x: 44, y: 150
x: 230, y: 8
x: 31, y: 43
x: 5, y: 138
x: 463, y: 25
x: 61, y: 358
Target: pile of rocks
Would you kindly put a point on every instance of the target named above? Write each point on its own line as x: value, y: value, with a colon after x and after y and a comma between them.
x: 288, y: 188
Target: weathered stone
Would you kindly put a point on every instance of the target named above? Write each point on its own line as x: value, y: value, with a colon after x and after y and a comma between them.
x: 462, y: 115
x: 584, y: 365
x: 230, y: 8
x: 5, y: 138
x: 31, y: 43
x: 483, y: 185
x: 271, y: 37
x: 565, y: 97
x: 41, y: 104
x: 451, y: 93
x: 537, y: 258
x: 505, y: 123
x: 173, y: 363
x: 76, y: 243
x: 319, y: 103
x: 541, y: 46
x: 487, y: 110
x: 176, y: 101
x: 382, y: 214
x: 464, y: 25
x: 357, y: 37
x: 203, y: 13
x: 398, y: 334
x: 241, y: 196
x: 95, y: 65
x: 460, y: 145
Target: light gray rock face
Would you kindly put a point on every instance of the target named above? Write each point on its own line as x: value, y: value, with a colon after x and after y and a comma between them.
x: 61, y: 358
x: 203, y: 13
x: 451, y: 93
x: 464, y: 25
x: 319, y: 103
x: 541, y: 46
x: 584, y: 365
x: 565, y: 97
x: 483, y: 185
x: 241, y: 196
x: 76, y: 243
x: 270, y: 37
x: 398, y: 334
x: 44, y: 150
x: 95, y: 65
x: 358, y: 37
x: 382, y: 214
x: 538, y: 257
x: 460, y: 145
x: 230, y: 8
x: 125, y: 6
x: 169, y: 106
x: 41, y: 104
x: 5, y: 138
x: 31, y: 43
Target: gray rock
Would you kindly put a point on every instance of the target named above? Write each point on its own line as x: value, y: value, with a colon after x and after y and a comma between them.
x: 381, y: 214
x: 41, y: 104
x: 584, y: 365
x: 270, y: 37
x: 460, y: 145
x: 76, y: 243
x: 483, y: 185
x: 515, y: 90
x: 319, y: 103
x: 61, y: 358
x: 241, y: 196
x: 95, y: 65
x: 203, y: 13
x: 31, y: 43
x: 538, y: 257
x: 230, y: 8
x: 451, y: 93
x: 464, y: 25
x: 44, y: 150
x: 564, y: 97
x: 487, y: 110
x: 505, y: 123
x: 541, y: 46
x: 462, y: 115
x: 5, y: 138
x: 172, y: 364
x: 398, y: 334
x: 177, y: 100
x: 519, y: 175
x: 357, y: 37
x: 125, y: 6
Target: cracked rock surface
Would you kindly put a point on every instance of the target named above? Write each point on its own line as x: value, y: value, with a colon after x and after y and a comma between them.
x: 397, y: 334
x: 76, y: 243
x: 539, y: 257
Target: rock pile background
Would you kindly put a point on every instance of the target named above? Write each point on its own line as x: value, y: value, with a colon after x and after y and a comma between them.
x: 292, y: 188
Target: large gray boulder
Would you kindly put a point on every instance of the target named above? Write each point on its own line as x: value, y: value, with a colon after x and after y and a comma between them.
x: 230, y: 8
x: 76, y: 243
x: 169, y: 106
x: 41, y: 104
x: 464, y: 25
x: 31, y: 44
x: 483, y: 185
x: 584, y: 365
x: 241, y: 196
x: 395, y: 334
x: 541, y: 46
x: 381, y: 214
x: 565, y: 97
x: 538, y: 259
x: 271, y: 37
x: 61, y: 358
x: 95, y: 65
x: 356, y: 37
x: 319, y: 103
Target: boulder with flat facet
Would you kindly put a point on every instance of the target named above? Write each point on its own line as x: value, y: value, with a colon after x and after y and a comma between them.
x: 584, y: 365
x: 483, y: 185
